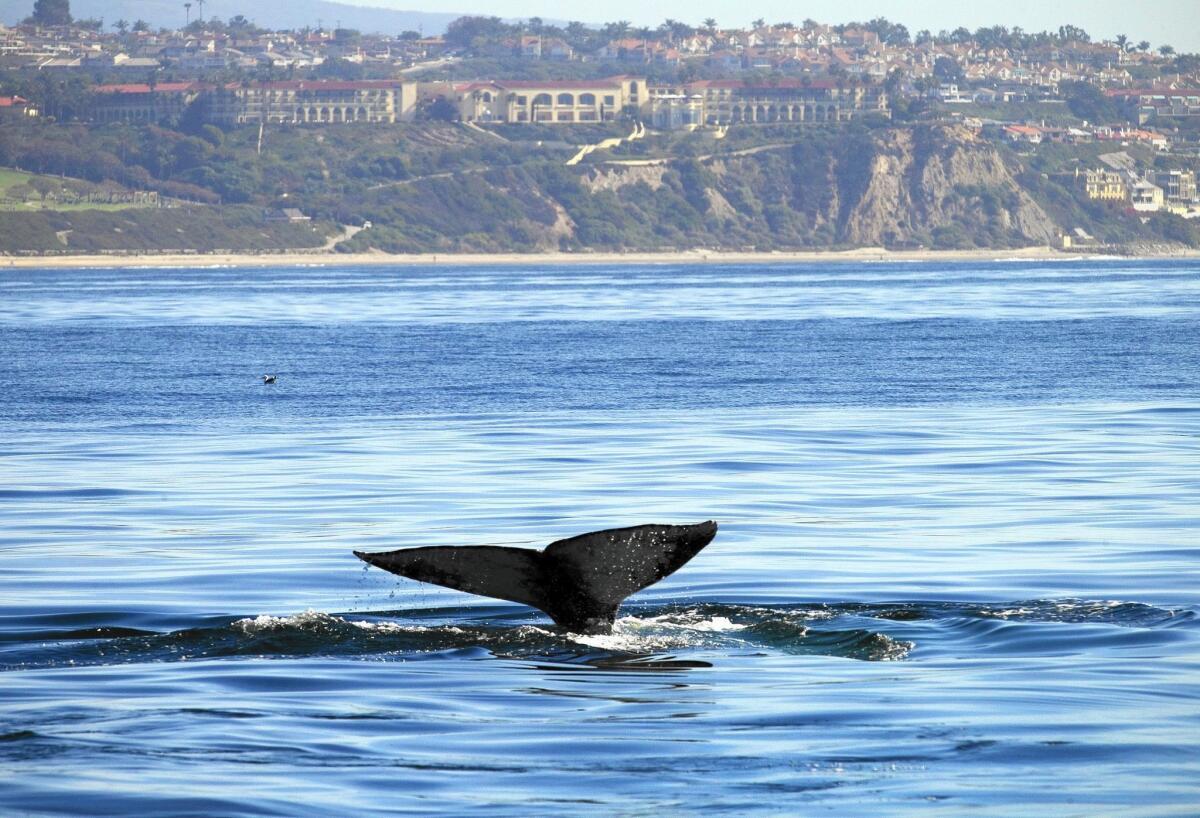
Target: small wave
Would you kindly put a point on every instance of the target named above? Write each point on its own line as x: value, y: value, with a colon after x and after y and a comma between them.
x: 637, y: 636
x: 18, y: 735
x: 863, y: 631
x: 1106, y: 611
x: 316, y: 621
x: 97, y: 493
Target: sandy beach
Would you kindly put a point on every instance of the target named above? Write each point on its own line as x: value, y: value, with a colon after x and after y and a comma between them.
x: 455, y: 259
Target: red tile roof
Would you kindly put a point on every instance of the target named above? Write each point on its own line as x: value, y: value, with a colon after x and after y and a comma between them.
x: 559, y: 84
x: 788, y: 83
x: 324, y: 85
x: 144, y: 88
x: 1163, y: 91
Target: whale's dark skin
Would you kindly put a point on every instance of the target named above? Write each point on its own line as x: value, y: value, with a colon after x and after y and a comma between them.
x: 579, y: 582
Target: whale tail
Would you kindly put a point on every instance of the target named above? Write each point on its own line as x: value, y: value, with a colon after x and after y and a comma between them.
x: 579, y: 582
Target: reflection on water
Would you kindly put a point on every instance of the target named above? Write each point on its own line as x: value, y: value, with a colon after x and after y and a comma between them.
x: 958, y: 506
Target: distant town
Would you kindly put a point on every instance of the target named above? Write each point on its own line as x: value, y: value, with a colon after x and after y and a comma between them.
x: 1003, y: 85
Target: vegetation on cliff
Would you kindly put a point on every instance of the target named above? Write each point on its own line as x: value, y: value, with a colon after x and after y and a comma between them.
x: 438, y: 187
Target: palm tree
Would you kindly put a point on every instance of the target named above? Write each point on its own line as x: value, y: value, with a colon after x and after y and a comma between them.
x: 121, y: 26
x: 617, y: 30
x: 710, y: 25
x: 1166, y: 50
x: 577, y: 33
x: 1144, y: 45
x: 1121, y: 40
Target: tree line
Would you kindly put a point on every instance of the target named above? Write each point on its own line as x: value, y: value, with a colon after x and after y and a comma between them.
x: 474, y: 31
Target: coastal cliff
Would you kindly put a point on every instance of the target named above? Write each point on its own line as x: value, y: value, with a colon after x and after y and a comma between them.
x: 893, y: 187
x: 447, y: 189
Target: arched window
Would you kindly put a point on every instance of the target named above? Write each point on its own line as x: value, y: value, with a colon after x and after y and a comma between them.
x: 487, y: 96
x: 587, y: 99
x: 566, y: 99
x: 543, y: 99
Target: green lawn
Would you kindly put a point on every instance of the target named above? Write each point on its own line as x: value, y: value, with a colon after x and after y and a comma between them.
x: 1054, y: 113
x: 10, y: 177
x: 65, y: 207
x: 19, y: 191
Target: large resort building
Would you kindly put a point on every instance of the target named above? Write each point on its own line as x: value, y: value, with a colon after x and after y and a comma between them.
x: 705, y: 102
x: 301, y: 101
x: 551, y: 102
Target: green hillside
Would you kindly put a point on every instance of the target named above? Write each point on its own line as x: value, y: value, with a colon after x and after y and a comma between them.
x: 440, y: 187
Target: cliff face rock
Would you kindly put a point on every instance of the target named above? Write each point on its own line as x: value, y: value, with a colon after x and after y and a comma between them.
x: 932, y: 186
x: 615, y: 177
x: 824, y: 188
x: 928, y: 181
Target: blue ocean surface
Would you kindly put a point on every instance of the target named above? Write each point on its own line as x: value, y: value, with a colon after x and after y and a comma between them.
x: 957, y: 571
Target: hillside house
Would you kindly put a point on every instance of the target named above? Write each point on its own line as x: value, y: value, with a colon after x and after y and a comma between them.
x: 16, y: 107
x: 1102, y: 185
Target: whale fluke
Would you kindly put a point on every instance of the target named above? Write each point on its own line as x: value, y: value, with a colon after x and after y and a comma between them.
x: 579, y: 582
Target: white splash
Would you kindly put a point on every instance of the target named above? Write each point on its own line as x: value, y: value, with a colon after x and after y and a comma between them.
x: 655, y: 633
x: 315, y: 620
x: 266, y: 622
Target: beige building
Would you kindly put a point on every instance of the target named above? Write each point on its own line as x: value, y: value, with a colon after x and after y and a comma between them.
x: 141, y: 102
x: 550, y: 102
x: 671, y: 107
x: 712, y: 102
x: 1177, y: 185
x: 314, y: 101
x: 1102, y: 185
x: 1145, y: 196
x: 733, y: 101
x: 547, y: 102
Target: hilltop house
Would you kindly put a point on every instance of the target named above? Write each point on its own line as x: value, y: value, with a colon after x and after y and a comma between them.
x: 1149, y: 103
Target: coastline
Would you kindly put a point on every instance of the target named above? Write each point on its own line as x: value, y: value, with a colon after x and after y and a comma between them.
x: 310, y: 259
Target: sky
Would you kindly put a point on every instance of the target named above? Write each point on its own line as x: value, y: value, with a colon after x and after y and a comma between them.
x: 1173, y: 22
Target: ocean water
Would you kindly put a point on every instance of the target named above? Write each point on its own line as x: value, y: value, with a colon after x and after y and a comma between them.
x: 956, y: 574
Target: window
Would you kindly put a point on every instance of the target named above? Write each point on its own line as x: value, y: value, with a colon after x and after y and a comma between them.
x: 566, y: 99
